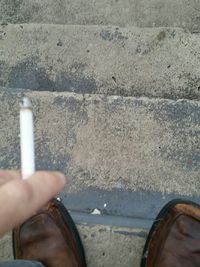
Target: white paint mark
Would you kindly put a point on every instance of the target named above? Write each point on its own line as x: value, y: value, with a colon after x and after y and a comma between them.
x: 96, y: 212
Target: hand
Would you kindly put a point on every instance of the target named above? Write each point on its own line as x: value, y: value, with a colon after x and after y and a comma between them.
x: 20, y: 199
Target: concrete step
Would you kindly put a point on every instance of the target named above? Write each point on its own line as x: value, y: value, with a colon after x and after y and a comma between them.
x: 140, y: 13
x: 159, y: 62
x: 109, y: 143
x: 124, y: 157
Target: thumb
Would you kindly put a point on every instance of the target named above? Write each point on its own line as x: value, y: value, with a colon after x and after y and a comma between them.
x: 22, y: 198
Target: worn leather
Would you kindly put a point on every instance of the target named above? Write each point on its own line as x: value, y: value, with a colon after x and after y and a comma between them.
x: 47, y: 238
x: 175, y: 241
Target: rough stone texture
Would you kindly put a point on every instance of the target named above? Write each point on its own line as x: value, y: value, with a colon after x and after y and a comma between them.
x: 141, y: 13
x: 109, y: 142
x: 6, y: 247
x: 104, y: 245
x: 112, y: 246
x: 160, y: 62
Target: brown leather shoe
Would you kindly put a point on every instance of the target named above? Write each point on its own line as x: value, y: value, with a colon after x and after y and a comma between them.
x: 50, y: 237
x: 174, y: 239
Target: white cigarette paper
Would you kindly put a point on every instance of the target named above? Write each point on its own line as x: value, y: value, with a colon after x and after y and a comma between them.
x: 27, y: 139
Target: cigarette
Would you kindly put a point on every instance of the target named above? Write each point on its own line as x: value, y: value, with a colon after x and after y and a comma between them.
x: 27, y: 139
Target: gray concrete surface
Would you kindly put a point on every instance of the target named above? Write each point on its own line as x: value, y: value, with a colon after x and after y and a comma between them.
x: 118, y: 207
x: 125, y: 156
x: 158, y: 62
x: 104, y: 245
x: 109, y: 142
x: 6, y: 247
x: 141, y: 13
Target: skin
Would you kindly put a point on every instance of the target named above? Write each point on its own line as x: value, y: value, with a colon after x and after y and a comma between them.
x: 20, y: 199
